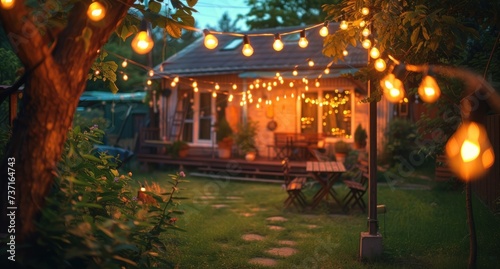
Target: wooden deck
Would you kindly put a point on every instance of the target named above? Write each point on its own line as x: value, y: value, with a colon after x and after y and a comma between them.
x: 261, y: 169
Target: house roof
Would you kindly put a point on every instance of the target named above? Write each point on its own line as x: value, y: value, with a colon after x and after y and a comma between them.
x: 197, y: 60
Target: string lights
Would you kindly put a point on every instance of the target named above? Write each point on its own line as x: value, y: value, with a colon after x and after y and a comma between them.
x: 96, y: 11
x: 278, y: 44
x: 303, y: 40
x: 7, y: 4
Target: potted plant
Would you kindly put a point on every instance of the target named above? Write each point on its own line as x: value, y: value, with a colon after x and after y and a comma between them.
x: 179, y: 149
x: 224, y: 135
x: 360, y: 136
x: 341, y: 149
x: 245, y: 139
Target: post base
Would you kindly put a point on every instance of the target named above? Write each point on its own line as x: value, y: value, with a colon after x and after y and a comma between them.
x: 370, y: 246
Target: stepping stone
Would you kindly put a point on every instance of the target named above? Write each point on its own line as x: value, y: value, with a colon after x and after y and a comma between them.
x: 247, y: 214
x: 287, y: 242
x: 218, y: 206
x: 312, y: 226
x: 207, y: 197
x: 263, y: 261
x: 256, y: 209
x: 252, y: 237
x: 277, y: 218
x: 234, y: 197
x: 276, y: 228
x: 282, y: 252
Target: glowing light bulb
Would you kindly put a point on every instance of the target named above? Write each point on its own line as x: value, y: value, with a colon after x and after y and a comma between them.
x: 142, y: 43
x: 429, y: 90
x: 149, y: 82
x: 316, y: 83
x: 124, y: 63
x: 210, y: 40
x: 214, y: 94
x: 195, y: 89
x: 365, y: 11
x: 247, y: 49
x: 176, y: 79
x: 469, y: 151
x: 235, y: 87
x: 380, y: 65
x: 125, y: 77
x: 303, y: 40
x: 374, y: 53
x: 362, y: 24
x: 143, y: 189
x: 365, y: 32
x: 310, y: 63
x: 343, y: 25
x: 7, y: 4
x: 278, y: 44
x: 345, y: 52
x: 195, y: 84
x: 327, y: 71
x: 151, y: 73
x: 295, y: 72
x: 366, y: 43
x: 96, y: 11
x: 217, y: 87
x: 393, y: 88
x: 324, y: 30
x: 173, y: 84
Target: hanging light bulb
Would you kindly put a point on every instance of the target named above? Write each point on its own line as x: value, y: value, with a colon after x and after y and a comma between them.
x: 217, y: 87
x: 295, y: 72
x: 210, y: 40
x: 327, y: 71
x: 149, y: 82
x: 142, y: 42
x: 173, y: 84
x: 124, y: 63
x: 429, y: 90
x: 214, y: 94
x: 345, y: 52
x: 278, y: 44
x: 380, y: 64
x: 195, y: 84
x: 310, y: 62
x: 290, y: 84
x: 393, y: 86
x: 374, y: 53
x: 247, y: 49
x: 367, y: 43
x: 96, y: 11
x: 7, y: 4
x: 316, y: 83
x: 324, y: 30
x: 176, y: 79
x: 469, y: 151
x: 235, y: 86
x: 303, y: 40
x: 366, y: 32
x: 195, y: 89
x: 151, y: 73
x: 365, y: 11
x: 125, y: 77
x: 362, y: 24
x: 343, y: 25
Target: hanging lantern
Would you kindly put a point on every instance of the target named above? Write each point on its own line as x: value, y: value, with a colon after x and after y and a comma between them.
x: 393, y: 86
x: 96, y: 11
x: 429, y: 90
x: 142, y: 42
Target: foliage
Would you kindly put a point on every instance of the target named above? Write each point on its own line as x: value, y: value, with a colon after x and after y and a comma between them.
x: 272, y: 13
x: 176, y: 147
x: 94, y: 216
x: 341, y: 147
x: 89, y: 118
x: 400, y: 140
x: 245, y: 137
x: 223, y: 130
x: 9, y: 67
x: 360, y: 135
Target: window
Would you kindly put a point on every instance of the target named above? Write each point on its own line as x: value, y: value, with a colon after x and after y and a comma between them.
x: 233, y: 44
x: 308, y: 122
x: 205, y: 117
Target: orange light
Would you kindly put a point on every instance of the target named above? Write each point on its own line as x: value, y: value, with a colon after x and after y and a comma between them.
x: 366, y: 43
x: 142, y: 43
x: 374, y: 53
x: 324, y: 30
x: 303, y: 40
x: 278, y: 44
x: 247, y: 49
x: 393, y: 88
x: 7, y: 4
x: 429, y: 90
x: 343, y: 25
x: 96, y: 11
x: 469, y: 151
x: 380, y: 64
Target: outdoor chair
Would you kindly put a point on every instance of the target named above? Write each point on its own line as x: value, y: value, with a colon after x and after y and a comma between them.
x: 357, y: 187
x: 293, y: 187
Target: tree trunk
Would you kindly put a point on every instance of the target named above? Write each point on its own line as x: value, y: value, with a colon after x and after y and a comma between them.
x: 57, y: 64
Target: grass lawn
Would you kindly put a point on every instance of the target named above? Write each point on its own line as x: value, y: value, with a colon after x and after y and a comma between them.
x: 421, y: 229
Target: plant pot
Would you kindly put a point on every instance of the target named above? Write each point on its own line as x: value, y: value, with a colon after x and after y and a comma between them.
x: 224, y: 153
x: 250, y: 156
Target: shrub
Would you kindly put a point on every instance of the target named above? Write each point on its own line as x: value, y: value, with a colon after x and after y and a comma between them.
x: 96, y: 217
x: 245, y: 137
x: 400, y: 140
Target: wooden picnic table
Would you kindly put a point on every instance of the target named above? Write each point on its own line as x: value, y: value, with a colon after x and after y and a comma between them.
x: 327, y: 174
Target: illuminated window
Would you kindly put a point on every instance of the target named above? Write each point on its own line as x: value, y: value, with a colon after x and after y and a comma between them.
x: 336, y: 118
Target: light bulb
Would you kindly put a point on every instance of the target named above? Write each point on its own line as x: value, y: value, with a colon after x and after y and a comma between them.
x: 151, y: 73
x: 469, y: 151
x: 278, y: 44
x: 217, y: 87
x: 195, y: 89
x: 142, y: 43
x: 393, y: 88
x: 295, y: 72
x: 345, y: 52
x: 310, y: 63
x: 365, y: 11
x: 214, y: 94
x: 316, y: 84
x: 143, y: 189
x: 195, y: 84
x: 323, y: 31
x: 327, y: 71
x: 173, y: 84
x: 303, y: 40
x: 380, y: 65
x: 7, y: 4
x: 247, y: 49
x: 429, y: 90
x: 124, y: 63
x: 362, y: 24
x: 365, y: 32
x: 96, y: 11
x: 235, y: 87
x: 210, y: 40
x: 366, y: 43
x: 125, y: 77
x: 374, y: 53
x: 176, y: 79
x: 149, y: 82
x: 343, y: 25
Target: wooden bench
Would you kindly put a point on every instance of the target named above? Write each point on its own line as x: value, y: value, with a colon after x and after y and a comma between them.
x: 294, y: 145
x: 357, y: 187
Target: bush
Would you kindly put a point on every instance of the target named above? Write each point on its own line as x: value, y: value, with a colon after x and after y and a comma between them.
x: 400, y: 140
x: 96, y: 217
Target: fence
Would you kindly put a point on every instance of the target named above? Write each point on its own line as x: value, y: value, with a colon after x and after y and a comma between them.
x: 488, y: 188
